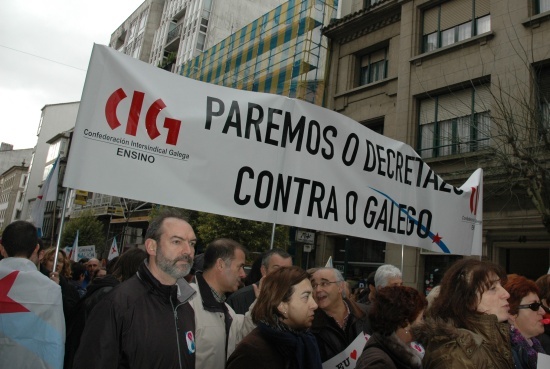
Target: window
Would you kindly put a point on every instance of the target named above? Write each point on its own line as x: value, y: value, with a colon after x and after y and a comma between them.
x: 542, y: 6
x: 201, y: 39
x: 454, y: 123
x: 543, y: 82
x: 376, y: 125
x: 371, y: 2
x: 47, y: 171
x: 204, y: 25
x: 454, y: 21
x: 142, y: 22
x: 53, y: 151
x: 373, y: 67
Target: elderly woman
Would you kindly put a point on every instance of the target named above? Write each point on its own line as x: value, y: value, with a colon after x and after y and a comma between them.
x: 283, y: 313
x: 394, y: 312
x: 526, y: 313
x: 466, y: 326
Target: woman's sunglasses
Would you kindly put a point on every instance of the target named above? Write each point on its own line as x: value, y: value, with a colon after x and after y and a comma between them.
x: 535, y: 307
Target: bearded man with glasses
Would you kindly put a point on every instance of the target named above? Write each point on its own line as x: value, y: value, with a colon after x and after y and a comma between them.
x: 339, y: 323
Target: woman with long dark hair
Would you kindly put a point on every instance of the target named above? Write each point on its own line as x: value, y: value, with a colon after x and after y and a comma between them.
x: 466, y: 325
x: 283, y: 313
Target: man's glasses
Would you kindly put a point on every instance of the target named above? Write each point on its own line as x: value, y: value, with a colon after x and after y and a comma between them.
x: 323, y: 284
x: 535, y: 306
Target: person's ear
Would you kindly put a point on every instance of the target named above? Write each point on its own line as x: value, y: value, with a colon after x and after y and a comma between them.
x: 151, y: 246
x: 220, y: 264
x: 283, y: 309
x: 263, y: 270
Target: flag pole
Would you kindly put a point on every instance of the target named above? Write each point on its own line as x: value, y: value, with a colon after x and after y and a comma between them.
x: 67, y: 190
x: 272, y: 236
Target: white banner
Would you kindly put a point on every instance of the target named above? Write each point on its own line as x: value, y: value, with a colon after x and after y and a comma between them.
x: 150, y: 135
x: 347, y: 359
x: 84, y: 252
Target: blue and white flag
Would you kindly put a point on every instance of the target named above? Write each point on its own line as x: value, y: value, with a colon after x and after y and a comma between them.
x: 113, y: 252
x: 32, y: 325
x: 74, y: 251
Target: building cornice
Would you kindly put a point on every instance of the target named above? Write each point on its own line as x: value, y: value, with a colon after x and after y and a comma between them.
x: 364, y: 21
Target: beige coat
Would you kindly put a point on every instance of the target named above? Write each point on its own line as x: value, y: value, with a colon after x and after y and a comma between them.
x: 210, y: 333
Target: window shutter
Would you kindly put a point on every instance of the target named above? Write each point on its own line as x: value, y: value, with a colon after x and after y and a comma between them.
x: 377, y: 56
x: 454, y: 105
x: 482, y: 99
x: 373, y: 57
x: 427, y: 111
x: 455, y: 12
x: 431, y: 17
x: 482, y: 7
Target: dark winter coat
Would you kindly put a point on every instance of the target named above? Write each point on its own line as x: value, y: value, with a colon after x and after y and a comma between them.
x: 448, y: 347
x: 388, y: 352
x: 544, y: 339
x: 241, y: 299
x: 69, y: 294
x: 254, y: 352
x: 270, y: 348
x: 141, y: 324
x: 332, y: 339
x: 75, y: 325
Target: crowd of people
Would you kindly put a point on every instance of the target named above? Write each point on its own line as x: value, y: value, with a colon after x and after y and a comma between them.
x: 165, y: 307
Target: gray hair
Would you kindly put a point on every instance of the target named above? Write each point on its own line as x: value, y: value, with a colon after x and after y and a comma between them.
x: 337, y: 275
x: 384, y: 273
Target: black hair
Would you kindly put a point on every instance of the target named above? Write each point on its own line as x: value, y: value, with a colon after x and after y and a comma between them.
x: 20, y: 238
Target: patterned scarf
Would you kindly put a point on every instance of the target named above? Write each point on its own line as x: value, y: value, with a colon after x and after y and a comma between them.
x: 524, y: 349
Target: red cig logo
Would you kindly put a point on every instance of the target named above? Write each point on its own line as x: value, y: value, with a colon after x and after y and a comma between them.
x: 172, y: 125
x: 474, y: 199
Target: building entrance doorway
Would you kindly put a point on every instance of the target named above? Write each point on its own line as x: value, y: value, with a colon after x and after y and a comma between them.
x: 530, y: 263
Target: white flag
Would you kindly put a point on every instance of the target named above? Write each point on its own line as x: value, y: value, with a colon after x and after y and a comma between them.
x: 113, y: 252
x: 48, y: 192
x: 329, y: 262
x: 74, y: 252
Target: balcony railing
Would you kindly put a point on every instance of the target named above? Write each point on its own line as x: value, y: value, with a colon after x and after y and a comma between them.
x: 173, y: 34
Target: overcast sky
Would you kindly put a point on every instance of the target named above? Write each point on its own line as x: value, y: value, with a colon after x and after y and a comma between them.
x: 45, y: 47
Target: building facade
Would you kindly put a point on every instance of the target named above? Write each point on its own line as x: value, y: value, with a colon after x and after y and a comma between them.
x: 458, y: 81
x: 167, y: 33
x: 10, y: 157
x: 14, y: 165
x: 12, y: 190
x: 55, y: 118
x: 282, y: 52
